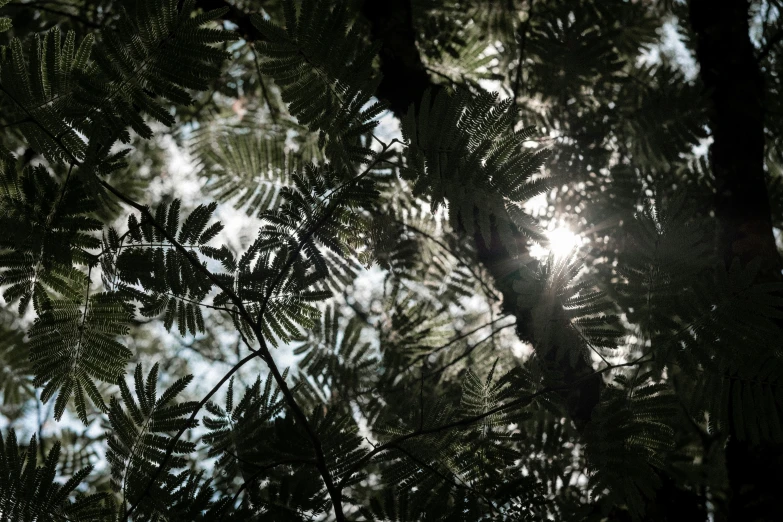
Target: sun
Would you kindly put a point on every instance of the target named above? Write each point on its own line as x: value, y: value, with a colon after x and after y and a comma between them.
x: 561, y: 242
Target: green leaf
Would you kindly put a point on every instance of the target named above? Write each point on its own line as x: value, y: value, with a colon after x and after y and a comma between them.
x: 141, y: 435
x: 73, y: 345
x: 29, y: 492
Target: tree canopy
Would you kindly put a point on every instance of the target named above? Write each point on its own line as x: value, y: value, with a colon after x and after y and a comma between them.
x: 391, y: 260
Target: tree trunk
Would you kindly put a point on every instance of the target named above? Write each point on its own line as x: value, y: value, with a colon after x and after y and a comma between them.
x: 735, y: 86
x: 731, y: 75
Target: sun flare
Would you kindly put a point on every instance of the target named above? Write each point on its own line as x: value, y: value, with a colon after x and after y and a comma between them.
x: 561, y: 242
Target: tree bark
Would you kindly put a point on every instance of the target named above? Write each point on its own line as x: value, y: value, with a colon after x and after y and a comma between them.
x: 735, y: 85
x: 405, y: 77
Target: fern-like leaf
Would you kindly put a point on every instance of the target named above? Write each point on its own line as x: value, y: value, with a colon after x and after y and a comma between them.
x: 151, y: 269
x: 73, y: 344
x: 463, y: 149
x: 628, y: 440
x: 140, y: 436
x: 571, y: 317
x: 246, y: 169
x: 29, y: 493
x: 48, y: 228
x: 325, y: 74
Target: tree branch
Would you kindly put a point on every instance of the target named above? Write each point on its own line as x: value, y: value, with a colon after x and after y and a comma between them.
x: 334, y: 492
x: 524, y: 27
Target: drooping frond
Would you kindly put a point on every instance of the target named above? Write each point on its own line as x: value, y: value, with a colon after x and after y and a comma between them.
x: 48, y: 227
x: 325, y: 73
x: 191, y: 497
x: 391, y: 504
x: 462, y: 149
x: 411, y: 244
x: 79, y: 450
x: 743, y: 401
x: 16, y: 374
x: 696, y: 312
x: 662, y: 257
x: 73, y: 344
x: 151, y: 269
x: 37, y: 90
x: 739, y: 390
x: 454, y: 471
x: 665, y: 122
x: 416, y: 327
x: 30, y: 493
x: 282, y: 297
x: 241, y: 435
x: 315, y: 235
x: 320, y: 208
x: 336, y: 360
x: 545, y: 441
x: 628, y: 439
x: 571, y: 48
x: 342, y: 445
x: 461, y: 52
x: 257, y: 443
x: 458, y: 378
x: 141, y: 433
x: 247, y: 169
x: 155, y: 49
x: 490, y: 441
x: 493, y: 20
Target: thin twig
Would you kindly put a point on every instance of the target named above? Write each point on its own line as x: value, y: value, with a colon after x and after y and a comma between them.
x: 15, y: 123
x: 466, y: 353
x: 264, y: 93
x: 454, y: 340
x: 397, y: 388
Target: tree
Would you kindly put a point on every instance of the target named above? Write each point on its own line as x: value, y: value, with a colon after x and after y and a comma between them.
x: 484, y: 260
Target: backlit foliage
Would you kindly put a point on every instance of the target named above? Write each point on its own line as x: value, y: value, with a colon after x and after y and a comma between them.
x: 356, y: 328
